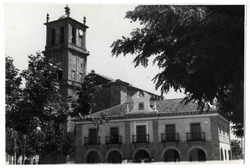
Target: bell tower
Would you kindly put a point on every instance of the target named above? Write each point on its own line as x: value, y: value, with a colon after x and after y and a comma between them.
x: 66, y: 45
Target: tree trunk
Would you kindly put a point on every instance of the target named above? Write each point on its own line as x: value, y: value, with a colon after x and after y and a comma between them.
x: 23, y: 150
x: 14, y: 146
x: 97, y: 133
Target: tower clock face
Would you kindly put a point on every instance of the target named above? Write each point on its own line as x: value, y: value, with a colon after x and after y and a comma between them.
x: 80, y: 33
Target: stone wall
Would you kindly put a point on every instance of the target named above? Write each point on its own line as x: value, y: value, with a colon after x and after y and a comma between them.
x: 155, y: 148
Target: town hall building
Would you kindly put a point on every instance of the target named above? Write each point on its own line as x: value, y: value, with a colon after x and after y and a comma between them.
x: 165, y: 130
x: 143, y: 126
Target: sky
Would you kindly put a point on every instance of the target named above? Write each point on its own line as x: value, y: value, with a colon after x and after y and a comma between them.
x: 25, y: 34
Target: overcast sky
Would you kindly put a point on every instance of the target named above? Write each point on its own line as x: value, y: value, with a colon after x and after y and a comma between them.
x: 25, y: 34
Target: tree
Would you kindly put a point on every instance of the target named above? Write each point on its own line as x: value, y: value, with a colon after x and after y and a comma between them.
x: 13, y: 92
x: 45, y: 106
x: 12, y: 86
x: 236, y: 148
x: 82, y: 106
x: 199, y: 49
x: 37, y: 105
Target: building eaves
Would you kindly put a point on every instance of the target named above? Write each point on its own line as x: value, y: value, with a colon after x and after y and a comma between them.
x: 167, y: 107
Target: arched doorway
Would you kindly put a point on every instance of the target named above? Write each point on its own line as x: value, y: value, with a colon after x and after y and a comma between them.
x: 197, y: 155
x: 141, y: 154
x: 221, y: 154
x: 114, y: 157
x: 93, y: 157
x: 171, y: 155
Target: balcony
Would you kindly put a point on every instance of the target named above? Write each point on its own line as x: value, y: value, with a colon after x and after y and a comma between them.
x: 92, y: 140
x: 113, y: 139
x: 170, y: 138
x: 140, y: 139
x: 197, y: 136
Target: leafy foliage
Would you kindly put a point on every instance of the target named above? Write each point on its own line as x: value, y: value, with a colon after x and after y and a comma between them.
x: 37, y: 105
x: 41, y: 93
x: 198, y: 48
x: 12, y: 88
x: 236, y: 148
x: 84, y: 102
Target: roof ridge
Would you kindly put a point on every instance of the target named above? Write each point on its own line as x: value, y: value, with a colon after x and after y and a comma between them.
x: 111, y: 79
x: 110, y: 108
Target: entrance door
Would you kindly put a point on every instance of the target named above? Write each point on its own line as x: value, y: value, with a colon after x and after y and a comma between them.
x: 114, y: 135
x: 141, y: 155
x: 197, y: 155
x: 92, y: 136
x: 170, y: 133
x: 141, y: 133
x: 114, y: 157
x: 196, y: 131
x: 171, y: 155
x: 93, y: 157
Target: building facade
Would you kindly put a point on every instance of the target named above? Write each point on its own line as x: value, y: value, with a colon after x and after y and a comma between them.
x: 142, y: 127
x: 114, y: 92
x: 162, y: 130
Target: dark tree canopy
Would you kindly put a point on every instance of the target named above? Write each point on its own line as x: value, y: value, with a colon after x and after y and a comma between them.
x: 83, y: 104
x: 199, y: 49
x: 12, y: 89
x: 36, y: 105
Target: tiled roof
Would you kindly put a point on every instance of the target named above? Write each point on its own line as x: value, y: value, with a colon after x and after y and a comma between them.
x: 105, y: 77
x: 175, y: 105
x: 163, y: 107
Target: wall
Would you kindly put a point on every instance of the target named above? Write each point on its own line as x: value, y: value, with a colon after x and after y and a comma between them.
x: 156, y: 148
x: 104, y: 130
x: 182, y: 125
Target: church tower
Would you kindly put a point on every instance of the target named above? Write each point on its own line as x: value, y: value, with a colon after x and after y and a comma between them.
x: 66, y: 45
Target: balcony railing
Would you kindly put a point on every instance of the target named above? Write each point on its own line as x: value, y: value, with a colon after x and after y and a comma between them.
x: 92, y: 140
x: 113, y: 139
x: 170, y: 137
x: 140, y: 138
x: 198, y: 136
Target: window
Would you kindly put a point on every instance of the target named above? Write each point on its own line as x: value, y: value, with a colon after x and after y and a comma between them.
x: 141, y: 105
x: 53, y: 36
x: 59, y: 75
x: 225, y: 154
x: 92, y: 136
x: 229, y: 155
x: 73, y: 75
x: 221, y: 152
x: 114, y: 133
x: 220, y: 128
x: 80, y: 77
x: 196, y: 131
x: 141, y: 133
x: 170, y: 133
x: 223, y: 130
x: 73, y: 35
x: 62, y: 34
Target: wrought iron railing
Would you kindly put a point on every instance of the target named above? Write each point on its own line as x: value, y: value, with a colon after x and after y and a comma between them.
x: 170, y: 137
x: 92, y: 140
x: 113, y: 139
x: 140, y: 138
x: 197, y: 136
